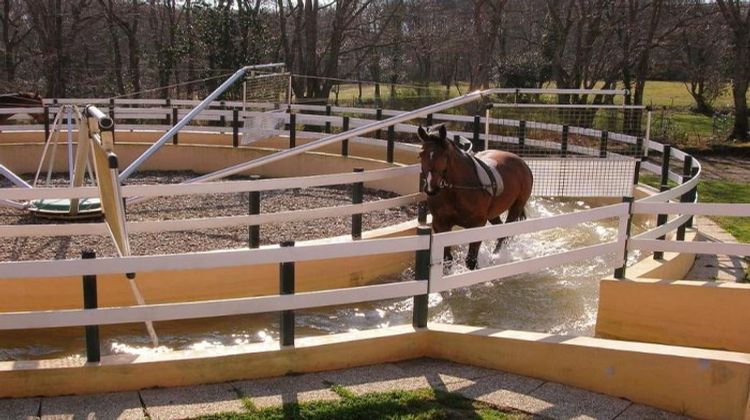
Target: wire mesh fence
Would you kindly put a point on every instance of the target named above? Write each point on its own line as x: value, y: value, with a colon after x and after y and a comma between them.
x: 565, y: 131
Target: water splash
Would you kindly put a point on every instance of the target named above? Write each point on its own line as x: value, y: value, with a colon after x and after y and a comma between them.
x: 559, y: 300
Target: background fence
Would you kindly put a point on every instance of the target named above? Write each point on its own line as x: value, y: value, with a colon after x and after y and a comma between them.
x: 429, y: 274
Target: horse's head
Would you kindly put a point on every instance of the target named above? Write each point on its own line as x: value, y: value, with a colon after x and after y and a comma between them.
x: 434, y: 157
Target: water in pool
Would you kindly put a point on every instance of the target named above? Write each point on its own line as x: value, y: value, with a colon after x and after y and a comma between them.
x: 560, y: 300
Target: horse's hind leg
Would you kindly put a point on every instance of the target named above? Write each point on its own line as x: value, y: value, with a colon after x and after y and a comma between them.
x: 516, y: 212
x: 499, y: 244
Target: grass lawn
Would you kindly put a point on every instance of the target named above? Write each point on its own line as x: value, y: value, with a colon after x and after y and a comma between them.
x: 710, y: 191
x: 422, y: 404
x: 672, y: 122
x: 675, y: 94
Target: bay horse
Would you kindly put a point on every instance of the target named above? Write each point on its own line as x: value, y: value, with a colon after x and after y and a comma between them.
x: 460, y: 194
x: 21, y: 100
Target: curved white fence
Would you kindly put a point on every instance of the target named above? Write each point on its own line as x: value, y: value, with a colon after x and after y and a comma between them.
x: 430, y: 245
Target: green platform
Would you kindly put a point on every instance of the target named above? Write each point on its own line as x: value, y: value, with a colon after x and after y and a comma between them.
x: 59, y: 208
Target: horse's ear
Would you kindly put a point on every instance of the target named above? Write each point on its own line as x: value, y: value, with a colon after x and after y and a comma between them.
x: 443, y: 132
x: 422, y: 134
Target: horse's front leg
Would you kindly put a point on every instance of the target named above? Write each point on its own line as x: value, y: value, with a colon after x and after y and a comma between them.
x: 473, y: 255
x: 439, y: 227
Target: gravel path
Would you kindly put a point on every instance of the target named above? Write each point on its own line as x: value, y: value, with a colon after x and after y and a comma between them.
x: 212, y: 205
x: 725, y: 167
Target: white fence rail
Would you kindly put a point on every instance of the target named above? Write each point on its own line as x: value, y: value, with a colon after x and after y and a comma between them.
x: 442, y: 240
x: 432, y: 245
x: 209, y: 259
x: 212, y: 308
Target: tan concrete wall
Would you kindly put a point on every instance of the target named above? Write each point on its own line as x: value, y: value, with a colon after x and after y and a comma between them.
x: 24, y: 158
x: 698, y: 383
x: 60, y: 293
x: 686, y: 313
x: 31, y: 294
x: 130, y: 372
x: 654, y: 306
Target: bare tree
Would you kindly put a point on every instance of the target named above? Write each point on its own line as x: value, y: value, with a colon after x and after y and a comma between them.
x: 487, y: 17
x: 578, y: 46
x: 57, y: 36
x: 112, y: 29
x: 163, y: 18
x: 737, y: 17
x: 15, y: 31
x: 315, y: 49
x: 641, y: 27
x: 126, y: 16
x: 700, y: 47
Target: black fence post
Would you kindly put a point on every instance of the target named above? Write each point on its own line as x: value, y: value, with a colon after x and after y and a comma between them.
x: 93, y: 351
x: 521, y: 136
x: 638, y: 160
x: 292, y: 130
x: 620, y: 271
x: 46, y: 123
x: 222, y: 117
x: 693, y: 194
x: 328, y: 123
x: 112, y: 115
x: 286, y: 287
x: 422, y: 205
x: 253, y: 208
x: 174, y: 122
x: 564, y: 141
x: 664, y: 186
x: 357, y: 196
x: 345, y: 143
x: 168, y: 104
x: 478, y: 146
x: 421, y: 272
x: 235, y: 127
x: 378, y: 117
x: 390, y: 144
x: 603, y: 144
x: 429, y: 120
x: 687, y: 171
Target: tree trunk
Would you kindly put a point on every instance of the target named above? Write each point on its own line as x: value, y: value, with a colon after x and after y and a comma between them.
x: 741, y: 130
x: 57, y: 87
x: 10, y: 68
x: 740, y: 38
x: 117, y: 72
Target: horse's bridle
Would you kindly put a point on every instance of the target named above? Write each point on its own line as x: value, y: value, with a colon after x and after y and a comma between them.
x: 443, y: 184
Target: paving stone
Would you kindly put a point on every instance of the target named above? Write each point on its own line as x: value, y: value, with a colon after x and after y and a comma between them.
x: 286, y: 389
x: 441, y: 372
x: 363, y: 374
x: 566, y: 402
x: 716, y: 267
x: 639, y: 412
x: 194, y: 401
x: 501, y: 389
x: 375, y: 378
x: 120, y: 405
x: 19, y: 408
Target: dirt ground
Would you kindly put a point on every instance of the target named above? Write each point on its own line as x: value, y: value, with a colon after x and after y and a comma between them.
x: 725, y: 167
